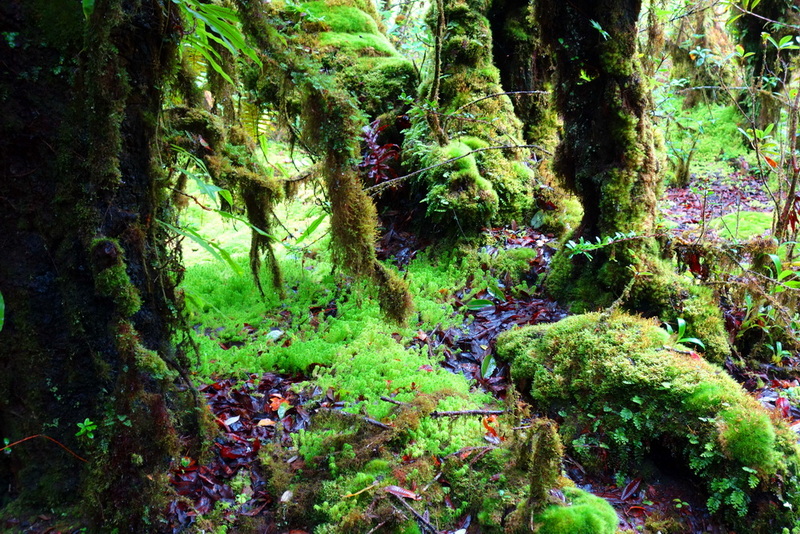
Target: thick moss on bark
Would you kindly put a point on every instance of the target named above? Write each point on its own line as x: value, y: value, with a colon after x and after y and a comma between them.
x: 525, y: 65
x: 90, y: 308
x: 330, y: 121
x: 607, y: 157
x: 469, y: 113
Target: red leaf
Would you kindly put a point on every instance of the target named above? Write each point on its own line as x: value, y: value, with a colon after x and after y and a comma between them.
x: 401, y: 492
x: 783, y: 407
x: 487, y: 424
x: 631, y: 489
x: 772, y: 162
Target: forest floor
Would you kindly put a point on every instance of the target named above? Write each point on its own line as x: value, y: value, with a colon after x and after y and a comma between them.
x: 269, y: 407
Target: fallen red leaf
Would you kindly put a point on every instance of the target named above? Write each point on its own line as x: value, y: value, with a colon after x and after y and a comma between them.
x: 401, y: 492
x: 783, y: 407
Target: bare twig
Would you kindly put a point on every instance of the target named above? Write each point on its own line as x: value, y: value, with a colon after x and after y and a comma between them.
x: 397, y: 402
x: 457, y: 413
x: 424, y: 524
x: 388, y: 183
x: 368, y: 420
x: 45, y: 437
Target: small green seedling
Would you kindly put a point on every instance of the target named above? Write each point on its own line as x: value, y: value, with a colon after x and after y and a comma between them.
x: 680, y: 336
x: 86, y: 428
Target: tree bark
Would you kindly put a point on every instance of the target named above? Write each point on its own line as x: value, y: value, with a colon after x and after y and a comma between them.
x: 607, y: 155
x: 87, y: 278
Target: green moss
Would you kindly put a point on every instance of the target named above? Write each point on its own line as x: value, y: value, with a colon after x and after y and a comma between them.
x: 359, y: 44
x: 743, y: 226
x: 114, y: 282
x: 342, y: 18
x: 150, y: 363
x: 748, y: 437
x: 586, y: 514
x: 621, y: 378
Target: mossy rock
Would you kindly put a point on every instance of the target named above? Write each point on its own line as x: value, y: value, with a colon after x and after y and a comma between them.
x: 626, y: 388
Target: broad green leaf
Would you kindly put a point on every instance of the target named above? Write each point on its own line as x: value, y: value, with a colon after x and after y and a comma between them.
x: 692, y: 340
x: 488, y: 365
x: 2, y: 312
x: 478, y: 304
x: 311, y: 227
x: 256, y: 229
x: 88, y: 8
x: 219, y: 253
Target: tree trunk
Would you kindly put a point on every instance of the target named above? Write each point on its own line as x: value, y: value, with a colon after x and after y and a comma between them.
x: 87, y: 278
x: 606, y: 156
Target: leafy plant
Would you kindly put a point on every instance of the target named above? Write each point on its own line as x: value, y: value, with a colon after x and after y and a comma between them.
x: 214, y: 24
x: 377, y: 156
x: 86, y: 429
x: 680, y: 336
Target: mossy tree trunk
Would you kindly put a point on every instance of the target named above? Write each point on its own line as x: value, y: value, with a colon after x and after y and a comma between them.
x: 766, y: 71
x: 526, y: 68
x: 607, y: 155
x: 87, y: 279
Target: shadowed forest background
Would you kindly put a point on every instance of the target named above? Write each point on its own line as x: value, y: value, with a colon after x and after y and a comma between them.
x: 450, y: 266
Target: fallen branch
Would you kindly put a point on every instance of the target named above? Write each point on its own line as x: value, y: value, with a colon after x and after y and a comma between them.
x: 457, y: 413
x: 368, y: 420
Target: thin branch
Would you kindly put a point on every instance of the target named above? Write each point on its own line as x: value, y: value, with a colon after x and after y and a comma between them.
x: 388, y: 183
x: 368, y: 420
x: 46, y: 437
x: 397, y: 402
x: 493, y: 95
x: 457, y: 413
x: 424, y: 523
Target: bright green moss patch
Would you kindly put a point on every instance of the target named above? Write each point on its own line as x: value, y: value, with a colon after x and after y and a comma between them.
x: 358, y: 43
x: 624, y: 387
x: 343, y: 19
x: 742, y: 226
x: 585, y: 514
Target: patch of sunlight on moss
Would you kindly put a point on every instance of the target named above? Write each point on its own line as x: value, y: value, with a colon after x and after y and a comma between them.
x: 720, y: 138
x: 742, y: 226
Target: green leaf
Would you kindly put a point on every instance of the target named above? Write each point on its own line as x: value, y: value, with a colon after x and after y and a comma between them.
x: 493, y: 288
x: 488, y: 365
x: 2, y: 311
x: 311, y: 227
x: 88, y: 8
x: 478, y: 304
x: 219, y: 253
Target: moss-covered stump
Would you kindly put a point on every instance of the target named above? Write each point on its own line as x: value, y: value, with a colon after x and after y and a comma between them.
x: 467, y: 114
x: 630, y: 389
x: 627, y: 389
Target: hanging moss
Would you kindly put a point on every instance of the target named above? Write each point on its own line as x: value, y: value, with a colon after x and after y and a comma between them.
x: 621, y: 377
